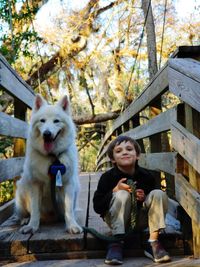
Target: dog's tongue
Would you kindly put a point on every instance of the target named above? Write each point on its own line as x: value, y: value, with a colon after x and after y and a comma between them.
x: 48, y: 146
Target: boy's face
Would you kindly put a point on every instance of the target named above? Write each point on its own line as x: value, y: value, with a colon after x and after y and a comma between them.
x: 124, y: 155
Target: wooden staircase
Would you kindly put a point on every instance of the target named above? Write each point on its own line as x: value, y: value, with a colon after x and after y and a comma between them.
x: 52, y: 242
x: 178, y: 160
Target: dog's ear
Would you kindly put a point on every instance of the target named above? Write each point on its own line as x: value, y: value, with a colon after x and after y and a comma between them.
x: 39, y: 101
x: 64, y: 103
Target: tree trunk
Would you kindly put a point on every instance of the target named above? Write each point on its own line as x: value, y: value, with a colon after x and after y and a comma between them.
x: 151, y: 38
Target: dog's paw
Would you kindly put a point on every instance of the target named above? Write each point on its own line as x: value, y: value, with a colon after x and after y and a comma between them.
x: 28, y: 229
x: 25, y: 221
x: 74, y: 229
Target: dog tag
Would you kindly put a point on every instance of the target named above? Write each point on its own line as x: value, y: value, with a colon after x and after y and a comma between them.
x: 59, y: 179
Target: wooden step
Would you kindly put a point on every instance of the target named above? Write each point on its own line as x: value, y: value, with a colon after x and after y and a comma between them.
x: 52, y: 241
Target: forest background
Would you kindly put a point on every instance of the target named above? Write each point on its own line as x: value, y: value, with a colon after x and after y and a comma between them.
x: 100, y: 53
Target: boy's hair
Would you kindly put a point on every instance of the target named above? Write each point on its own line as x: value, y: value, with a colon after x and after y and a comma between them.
x: 119, y: 140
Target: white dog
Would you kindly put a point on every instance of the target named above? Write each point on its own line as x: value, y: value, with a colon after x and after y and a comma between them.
x: 51, y: 142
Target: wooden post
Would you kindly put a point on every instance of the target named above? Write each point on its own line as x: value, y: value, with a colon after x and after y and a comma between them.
x: 20, y: 113
x: 136, y: 122
x: 194, y: 179
x: 155, y: 140
x: 19, y: 144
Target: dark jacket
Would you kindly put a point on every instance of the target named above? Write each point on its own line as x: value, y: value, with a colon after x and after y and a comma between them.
x: 102, y: 196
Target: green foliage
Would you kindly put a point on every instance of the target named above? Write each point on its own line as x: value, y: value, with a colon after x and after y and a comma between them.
x: 5, y: 143
x: 6, y: 188
x: 17, y: 40
x: 88, y: 158
x: 6, y: 191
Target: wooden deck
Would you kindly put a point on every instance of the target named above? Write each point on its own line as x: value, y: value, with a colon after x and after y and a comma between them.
x: 128, y: 262
x: 52, y: 242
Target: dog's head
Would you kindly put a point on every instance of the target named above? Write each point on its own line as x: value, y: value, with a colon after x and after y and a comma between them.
x: 51, y: 129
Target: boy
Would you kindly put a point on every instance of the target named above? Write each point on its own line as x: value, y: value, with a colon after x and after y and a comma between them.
x: 112, y: 200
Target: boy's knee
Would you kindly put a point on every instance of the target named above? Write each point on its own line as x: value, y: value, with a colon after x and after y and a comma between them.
x: 122, y: 196
x: 157, y: 193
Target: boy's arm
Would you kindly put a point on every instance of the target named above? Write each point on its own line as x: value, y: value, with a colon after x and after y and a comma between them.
x: 102, y: 195
x: 150, y: 182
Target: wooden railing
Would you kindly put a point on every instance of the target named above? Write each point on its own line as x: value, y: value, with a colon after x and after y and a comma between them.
x: 13, y: 126
x: 169, y: 137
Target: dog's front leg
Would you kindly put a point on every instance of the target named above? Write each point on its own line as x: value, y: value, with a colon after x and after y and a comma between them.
x: 71, y: 225
x: 34, y: 207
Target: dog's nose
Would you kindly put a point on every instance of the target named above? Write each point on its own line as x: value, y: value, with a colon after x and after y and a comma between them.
x: 47, y: 135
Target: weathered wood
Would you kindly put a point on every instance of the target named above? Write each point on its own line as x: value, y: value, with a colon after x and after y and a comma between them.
x: 54, y: 238
x: 193, y: 174
x: 51, y: 238
x: 158, y: 124
x: 132, y: 258
x: 12, y: 127
x: 193, y: 179
x: 6, y: 211
x: 187, y: 66
x: 11, y: 241
x: 156, y: 87
x: 14, y: 84
x: 186, y: 144
x: 52, y: 242
x: 83, y: 198
x: 186, y: 87
x: 165, y: 162
x: 94, y: 220
x: 188, y: 197
x: 10, y: 168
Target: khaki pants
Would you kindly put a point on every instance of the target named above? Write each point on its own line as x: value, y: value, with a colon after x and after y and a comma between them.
x: 151, y: 215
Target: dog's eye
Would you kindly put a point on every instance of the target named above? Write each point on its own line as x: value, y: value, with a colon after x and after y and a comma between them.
x: 56, y: 121
x: 42, y: 120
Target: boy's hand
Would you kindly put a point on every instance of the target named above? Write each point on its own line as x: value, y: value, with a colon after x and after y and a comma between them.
x: 122, y: 186
x: 140, y: 195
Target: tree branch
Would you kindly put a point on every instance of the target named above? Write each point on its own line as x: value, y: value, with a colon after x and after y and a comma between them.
x: 52, y: 65
x: 84, y: 119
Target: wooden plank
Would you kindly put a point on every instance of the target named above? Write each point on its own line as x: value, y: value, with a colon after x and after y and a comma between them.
x: 155, y: 88
x: 189, y: 123
x: 14, y: 84
x: 12, y: 243
x: 188, y: 197
x: 6, y: 210
x: 165, y: 162
x: 12, y: 127
x: 95, y: 221
x: 187, y: 66
x: 83, y: 198
x: 193, y: 179
x: 54, y: 238
x: 185, y: 87
x: 49, y: 239
x: 186, y: 144
x: 158, y: 124
x: 10, y: 168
